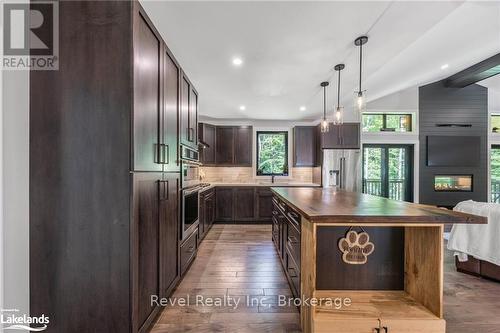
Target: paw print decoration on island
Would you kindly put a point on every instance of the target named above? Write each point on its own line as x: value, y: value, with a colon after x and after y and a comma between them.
x: 356, y: 247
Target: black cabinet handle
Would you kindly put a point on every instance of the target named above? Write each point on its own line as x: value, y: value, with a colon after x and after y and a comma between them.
x: 294, y: 274
x: 165, y: 154
x: 190, y: 249
x: 163, y: 189
x: 376, y: 330
x: 292, y: 240
x: 275, y: 212
x: 293, y: 215
x: 385, y: 329
x: 190, y: 131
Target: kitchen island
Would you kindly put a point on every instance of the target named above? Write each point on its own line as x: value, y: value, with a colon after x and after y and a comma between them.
x: 361, y: 263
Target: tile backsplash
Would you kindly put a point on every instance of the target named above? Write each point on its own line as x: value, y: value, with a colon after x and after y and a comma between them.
x: 245, y: 175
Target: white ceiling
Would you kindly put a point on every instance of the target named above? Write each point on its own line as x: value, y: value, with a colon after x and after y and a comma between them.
x: 290, y: 47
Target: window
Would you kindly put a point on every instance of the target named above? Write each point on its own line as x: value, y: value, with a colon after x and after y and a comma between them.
x: 386, y: 122
x: 272, y: 153
x: 495, y: 123
x: 495, y: 173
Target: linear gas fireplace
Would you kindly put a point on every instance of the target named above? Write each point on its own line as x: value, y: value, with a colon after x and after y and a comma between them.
x: 453, y: 183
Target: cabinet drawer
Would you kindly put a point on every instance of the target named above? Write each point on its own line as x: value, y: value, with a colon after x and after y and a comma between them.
x: 276, y: 232
x: 293, y: 273
x: 405, y: 325
x: 293, y: 242
x: 188, y: 250
x: 293, y: 216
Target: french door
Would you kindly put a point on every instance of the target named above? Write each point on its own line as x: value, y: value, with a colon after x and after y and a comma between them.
x: 388, y: 171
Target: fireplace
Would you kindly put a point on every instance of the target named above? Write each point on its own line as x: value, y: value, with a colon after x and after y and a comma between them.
x: 453, y: 183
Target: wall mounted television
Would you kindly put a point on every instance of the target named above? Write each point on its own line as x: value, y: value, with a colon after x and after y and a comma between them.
x: 453, y: 151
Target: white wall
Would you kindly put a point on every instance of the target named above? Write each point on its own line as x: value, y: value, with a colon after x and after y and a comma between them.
x: 15, y: 196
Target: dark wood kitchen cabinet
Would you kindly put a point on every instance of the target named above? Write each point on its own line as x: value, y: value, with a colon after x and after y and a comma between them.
x: 145, y: 206
x: 243, y: 146
x: 206, y: 135
x: 169, y: 142
x: 224, y: 204
x: 147, y: 107
x: 188, y: 125
x: 233, y: 145
x: 305, y: 146
x: 207, y: 212
x: 224, y: 141
x: 244, y: 203
x: 263, y: 197
x: 103, y: 212
x: 168, y: 193
x: 345, y: 136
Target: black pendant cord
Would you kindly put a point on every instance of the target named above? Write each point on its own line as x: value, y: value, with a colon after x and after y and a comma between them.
x: 338, y: 92
x: 324, y: 103
x: 360, y: 64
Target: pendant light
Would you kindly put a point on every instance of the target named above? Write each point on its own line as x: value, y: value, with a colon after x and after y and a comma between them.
x: 339, y: 111
x: 360, y: 95
x: 325, y: 127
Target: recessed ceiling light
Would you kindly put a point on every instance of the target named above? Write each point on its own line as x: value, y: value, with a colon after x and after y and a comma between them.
x: 242, y: 107
x: 237, y: 61
x: 302, y: 108
x: 444, y: 66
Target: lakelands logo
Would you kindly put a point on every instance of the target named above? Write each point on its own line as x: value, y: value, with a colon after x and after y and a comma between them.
x: 31, y: 35
x: 12, y: 320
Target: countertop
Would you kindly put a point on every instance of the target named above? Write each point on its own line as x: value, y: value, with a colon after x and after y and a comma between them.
x: 269, y: 184
x: 262, y: 184
x: 331, y: 205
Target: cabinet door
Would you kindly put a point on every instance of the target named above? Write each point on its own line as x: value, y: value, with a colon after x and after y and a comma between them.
x: 331, y: 139
x: 224, y: 151
x: 244, y: 204
x: 202, y: 219
x: 193, y: 118
x: 264, y: 199
x: 210, y: 209
x: 169, y: 232
x: 206, y: 133
x: 350, y: 135
x: 184, y: 116
x: 146, y: 244
x: 304, y: 146
x: 147, y: 88
x: 224, y: 204
x: 243, y: 145
x: 168, y: 149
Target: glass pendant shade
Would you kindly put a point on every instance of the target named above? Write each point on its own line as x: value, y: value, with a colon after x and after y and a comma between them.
x: 338, y: 118
x: 325, y: 126
x: 360, y: 102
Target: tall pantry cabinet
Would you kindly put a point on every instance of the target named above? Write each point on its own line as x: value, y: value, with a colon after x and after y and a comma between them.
x: 104, y: 173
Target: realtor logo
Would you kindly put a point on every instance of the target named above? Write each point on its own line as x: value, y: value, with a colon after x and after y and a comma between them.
x: 31, y: 35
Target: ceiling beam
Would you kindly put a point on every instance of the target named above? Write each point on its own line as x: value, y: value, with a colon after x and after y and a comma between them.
x: 478, y: 72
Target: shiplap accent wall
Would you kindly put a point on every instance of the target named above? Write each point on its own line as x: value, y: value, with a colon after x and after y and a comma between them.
x: 440, y: 105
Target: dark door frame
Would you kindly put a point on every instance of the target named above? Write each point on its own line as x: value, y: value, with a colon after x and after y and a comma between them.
x: 409, y: 151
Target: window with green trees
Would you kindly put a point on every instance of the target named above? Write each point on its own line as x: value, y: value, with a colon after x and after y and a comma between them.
x: 272, y: 153
x: 390, y: 122
x: 495, y: 173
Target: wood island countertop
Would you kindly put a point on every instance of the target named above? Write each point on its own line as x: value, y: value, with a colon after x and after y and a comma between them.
x: 332, y: 205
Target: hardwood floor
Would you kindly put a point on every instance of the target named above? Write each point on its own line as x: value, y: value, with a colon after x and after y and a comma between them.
x: 240, y: 261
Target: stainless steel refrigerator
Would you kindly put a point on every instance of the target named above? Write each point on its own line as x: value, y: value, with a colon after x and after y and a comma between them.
x: 342, y: 169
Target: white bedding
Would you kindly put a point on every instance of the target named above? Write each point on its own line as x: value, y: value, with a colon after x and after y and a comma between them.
x: 481, y: 241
